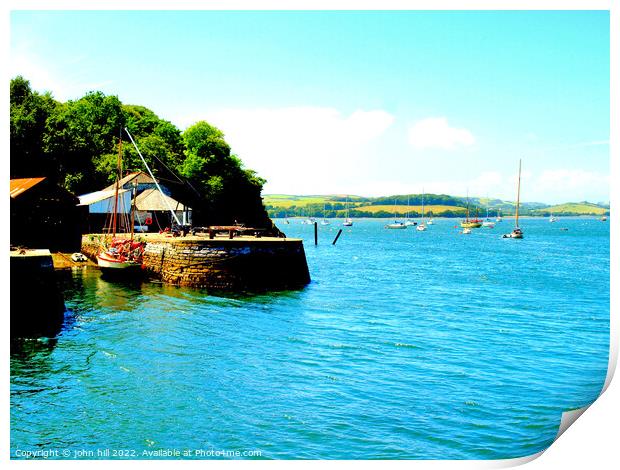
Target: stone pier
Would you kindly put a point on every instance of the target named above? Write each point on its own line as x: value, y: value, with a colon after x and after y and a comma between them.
x: 241, y: 263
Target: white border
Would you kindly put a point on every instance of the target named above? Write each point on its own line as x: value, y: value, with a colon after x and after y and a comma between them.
x: 592, y: 441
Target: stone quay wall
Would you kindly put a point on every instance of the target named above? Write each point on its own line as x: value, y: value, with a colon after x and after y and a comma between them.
x: 241, y: 263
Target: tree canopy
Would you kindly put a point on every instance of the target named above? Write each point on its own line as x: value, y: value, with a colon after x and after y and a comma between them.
x: 76, y: 144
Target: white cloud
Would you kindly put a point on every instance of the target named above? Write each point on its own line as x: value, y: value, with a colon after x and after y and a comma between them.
x: 435, y: 132
x: 300, y: 149
x: 573, y: 185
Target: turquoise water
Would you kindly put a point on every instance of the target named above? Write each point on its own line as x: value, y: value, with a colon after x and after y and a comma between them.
x: 407, y: 344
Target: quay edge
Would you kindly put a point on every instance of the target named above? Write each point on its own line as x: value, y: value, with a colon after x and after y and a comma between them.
x: 241, y: 263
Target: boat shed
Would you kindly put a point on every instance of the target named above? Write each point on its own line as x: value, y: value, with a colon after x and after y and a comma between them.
x: 100, y: 205
x: 151, y: 204
x: 45, y: 215
x: 137, y: 179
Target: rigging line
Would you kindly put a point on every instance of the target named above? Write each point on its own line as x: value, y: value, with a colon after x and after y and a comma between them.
x: 182, y: 181
x: 152, y: 176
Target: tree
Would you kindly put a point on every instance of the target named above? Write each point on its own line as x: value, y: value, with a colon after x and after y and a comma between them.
x: 78, y: 134
x: 29, y: 113
x: 231, y: 192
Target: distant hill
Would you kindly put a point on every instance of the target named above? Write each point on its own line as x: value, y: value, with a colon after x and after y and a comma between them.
x: 573, y: 208
x: 441, y: 205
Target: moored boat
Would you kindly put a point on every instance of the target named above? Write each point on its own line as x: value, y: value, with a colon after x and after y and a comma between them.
x: 396, y: 225
x: 516, y: 232
x: 118, y: 255
x: 348, y: 221
x: 470, y: 223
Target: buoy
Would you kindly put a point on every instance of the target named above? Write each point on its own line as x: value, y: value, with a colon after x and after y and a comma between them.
x: 148, y: 221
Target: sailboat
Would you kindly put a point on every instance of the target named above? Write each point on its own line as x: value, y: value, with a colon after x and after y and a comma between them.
x: 516, y: 232
x: 470, y: 223
x: 552, y: 218
x: 348, y: 222
x: 430, y: 221
x: 422, y: 226
x: 409, y: 222
x: 487, y: 222
x: 499, y: 216
x: 396, y: 225
x: 120, y: 254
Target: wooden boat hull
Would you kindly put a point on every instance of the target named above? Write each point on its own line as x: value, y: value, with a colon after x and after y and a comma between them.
x: 471, y: 224
x: 114, y: 268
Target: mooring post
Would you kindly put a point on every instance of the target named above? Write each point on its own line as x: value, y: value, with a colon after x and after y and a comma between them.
x: 337, y: 236
x: 316, y: 233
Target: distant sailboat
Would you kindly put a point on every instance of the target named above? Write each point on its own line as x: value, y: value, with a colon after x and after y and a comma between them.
x: 517, y: 232
x: 422, y: 226
x: 470, y: 223
x: 409, y: 222
x: 552, y: 218
x: 499, y: 216
x: 487, y: 222
x: 397, y: 225
x: 348, y: 222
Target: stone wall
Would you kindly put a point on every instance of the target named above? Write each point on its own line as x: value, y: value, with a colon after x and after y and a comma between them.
x: 237, y: 264
x: 37, y: 304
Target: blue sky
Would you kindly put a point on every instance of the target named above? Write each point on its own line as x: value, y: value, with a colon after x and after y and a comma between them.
x: 368, y: 103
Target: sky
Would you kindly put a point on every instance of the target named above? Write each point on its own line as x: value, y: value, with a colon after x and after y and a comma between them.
x: 365, y: 103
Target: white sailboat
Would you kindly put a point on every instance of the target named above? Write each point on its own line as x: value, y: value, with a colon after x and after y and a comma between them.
x: 397, y: 225
x: 422, y: 226
x: 552, y: 218
x: 409, y: 222
x: 348, y: 222
x: 487, y: 222
x: 516, y: 232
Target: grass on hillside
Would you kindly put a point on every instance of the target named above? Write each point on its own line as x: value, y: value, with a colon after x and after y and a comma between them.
x: 285, y: 201
x: 576, y: 208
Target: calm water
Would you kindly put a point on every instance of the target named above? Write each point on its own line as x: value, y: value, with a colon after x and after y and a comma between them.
x: 406, y: 344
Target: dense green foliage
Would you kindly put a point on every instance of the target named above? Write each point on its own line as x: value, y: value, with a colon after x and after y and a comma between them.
x: 76, y: 144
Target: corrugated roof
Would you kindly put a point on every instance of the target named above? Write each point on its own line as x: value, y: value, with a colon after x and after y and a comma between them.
x: 139, y: 176
x: 20, y: 185
x: 91, y: 198
x: 153, y: 200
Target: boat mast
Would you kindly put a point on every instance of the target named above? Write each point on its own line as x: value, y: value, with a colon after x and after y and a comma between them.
x: 518, y: 195
x: 467, y: 216
x: 153, y: 177
x: 133, y: 207
x: 118, y: 177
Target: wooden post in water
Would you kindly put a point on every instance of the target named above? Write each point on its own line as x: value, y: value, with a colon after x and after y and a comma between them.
x: 316, y: 234
x: 337, y: 236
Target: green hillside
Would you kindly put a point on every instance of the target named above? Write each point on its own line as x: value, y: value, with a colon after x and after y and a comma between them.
x: 440, y: 205
x: 573, y: 208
